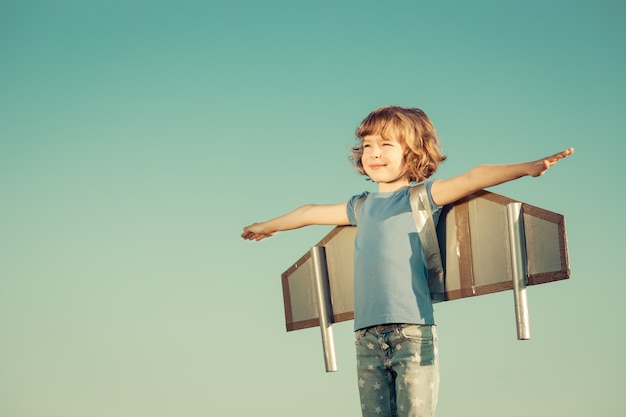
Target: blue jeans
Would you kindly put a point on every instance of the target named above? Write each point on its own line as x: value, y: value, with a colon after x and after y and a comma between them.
x: 398, y: 370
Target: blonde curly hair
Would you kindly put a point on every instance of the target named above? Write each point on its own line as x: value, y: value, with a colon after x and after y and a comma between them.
x: 412, y: 129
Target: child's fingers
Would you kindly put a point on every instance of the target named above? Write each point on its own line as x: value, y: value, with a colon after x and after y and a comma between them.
x: 250, y: 235
x: 247, y: 234
x: 564, y: 154
x: 551, y: 160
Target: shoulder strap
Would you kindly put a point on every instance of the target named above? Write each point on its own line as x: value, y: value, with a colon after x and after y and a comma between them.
x: 357, y: 206
x: 422, y: 214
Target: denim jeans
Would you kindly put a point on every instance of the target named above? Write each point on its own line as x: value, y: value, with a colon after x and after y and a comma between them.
x: 398, y: 370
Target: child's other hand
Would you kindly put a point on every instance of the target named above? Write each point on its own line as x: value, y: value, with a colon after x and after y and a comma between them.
x: 540, y: 166
x: 255, y: 232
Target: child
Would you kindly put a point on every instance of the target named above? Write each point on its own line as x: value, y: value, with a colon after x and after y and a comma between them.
x: 396, y: 341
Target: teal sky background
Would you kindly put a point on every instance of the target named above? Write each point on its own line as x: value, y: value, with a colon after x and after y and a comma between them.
x: 137, y: 138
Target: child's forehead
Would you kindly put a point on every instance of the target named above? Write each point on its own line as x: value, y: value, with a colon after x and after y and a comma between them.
x: 379, y: 137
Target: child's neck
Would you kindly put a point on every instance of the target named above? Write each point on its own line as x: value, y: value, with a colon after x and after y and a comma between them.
x: 389, y: 187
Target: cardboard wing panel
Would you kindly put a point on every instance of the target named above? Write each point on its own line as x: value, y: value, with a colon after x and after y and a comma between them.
x: 300, y: 299
x: 473, y: 239
x: 474, y: 244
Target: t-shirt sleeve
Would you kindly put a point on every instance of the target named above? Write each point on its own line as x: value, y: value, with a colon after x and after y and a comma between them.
x: 351, y: 206
x: 434, y: 208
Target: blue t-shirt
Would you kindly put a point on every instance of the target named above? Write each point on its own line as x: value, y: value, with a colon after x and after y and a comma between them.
x: 390, y: 272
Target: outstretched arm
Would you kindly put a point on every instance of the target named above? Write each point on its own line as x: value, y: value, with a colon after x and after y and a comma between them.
x: 483, y: 176
x: 328, y: 214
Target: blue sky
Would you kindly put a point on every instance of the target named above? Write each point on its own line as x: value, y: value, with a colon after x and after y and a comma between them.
x: 137, y: 139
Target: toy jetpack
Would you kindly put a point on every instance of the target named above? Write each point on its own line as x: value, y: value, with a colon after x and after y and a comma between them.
x: 483, y: 243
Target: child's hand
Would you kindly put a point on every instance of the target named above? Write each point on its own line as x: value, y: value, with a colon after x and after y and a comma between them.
x: 540, y: 166
x: 255, y: 232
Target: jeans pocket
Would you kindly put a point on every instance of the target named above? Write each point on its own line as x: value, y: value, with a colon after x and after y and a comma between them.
x: 418, y: 333
x: 421, y: 344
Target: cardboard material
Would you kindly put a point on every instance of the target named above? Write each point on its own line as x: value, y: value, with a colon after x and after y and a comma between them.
x: 473, y: 239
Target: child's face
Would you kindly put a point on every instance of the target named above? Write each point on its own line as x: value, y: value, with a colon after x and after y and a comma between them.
x: 383, y: 161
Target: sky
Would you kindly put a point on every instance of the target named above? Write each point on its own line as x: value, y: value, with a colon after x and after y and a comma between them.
x: 138, y: 138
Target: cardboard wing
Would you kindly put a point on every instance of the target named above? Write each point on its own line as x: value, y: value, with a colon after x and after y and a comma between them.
x: 474, y: 244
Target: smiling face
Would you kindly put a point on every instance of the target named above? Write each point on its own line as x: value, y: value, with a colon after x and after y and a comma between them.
x: 383, y: 162
x: 410, y: 130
